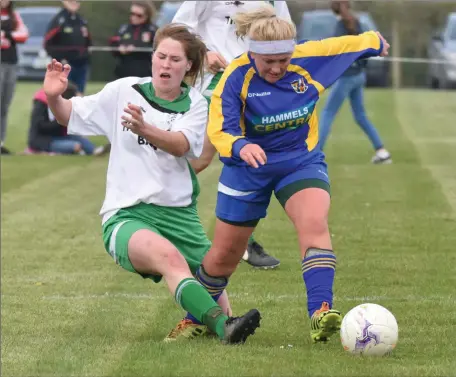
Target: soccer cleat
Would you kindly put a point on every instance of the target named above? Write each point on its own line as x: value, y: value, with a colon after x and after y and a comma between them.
x: 324, y: 323
x: 256, y: 256
x: 185, y: 329
x: 238, y: 329
x: 382, y: 156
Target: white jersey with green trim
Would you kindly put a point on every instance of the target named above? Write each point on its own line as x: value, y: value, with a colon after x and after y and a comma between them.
x: 137, y: 170
x: 213, y: 21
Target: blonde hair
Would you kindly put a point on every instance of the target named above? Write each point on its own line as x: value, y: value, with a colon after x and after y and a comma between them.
x: 262, y: 24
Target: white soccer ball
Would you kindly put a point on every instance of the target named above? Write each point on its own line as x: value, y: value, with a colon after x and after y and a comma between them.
x: 369, y: 330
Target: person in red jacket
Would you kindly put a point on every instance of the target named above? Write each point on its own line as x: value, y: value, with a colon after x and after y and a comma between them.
x: 13, y: 31
x: 48, y: 136
x: 68, y: 40
x: 138, y: 33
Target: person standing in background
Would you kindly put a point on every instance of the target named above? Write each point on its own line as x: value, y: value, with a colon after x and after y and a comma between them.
x: 13, y: 31
x: 138, y: 33
x: 351, y: 85
x: 68, y: 40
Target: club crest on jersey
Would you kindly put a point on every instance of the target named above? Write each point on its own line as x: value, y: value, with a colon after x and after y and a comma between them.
x: 146, y: 37
x: 299, y: 86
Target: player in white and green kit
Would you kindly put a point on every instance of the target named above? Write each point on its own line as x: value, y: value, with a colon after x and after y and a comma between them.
x: 213, y: 21
x: 150, y: 221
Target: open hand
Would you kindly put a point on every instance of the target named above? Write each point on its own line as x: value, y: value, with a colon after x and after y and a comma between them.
x: 56, y: 78
x: 386, y: 45
x: 134, y: 121
x: 253, y: 154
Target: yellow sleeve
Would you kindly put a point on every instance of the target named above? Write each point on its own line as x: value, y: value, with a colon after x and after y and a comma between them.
x: 225, y: 129
x: 327, y: 59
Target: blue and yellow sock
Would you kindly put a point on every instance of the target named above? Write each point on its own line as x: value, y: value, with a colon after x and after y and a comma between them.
x: 214, y: 285
x: 318, y: 270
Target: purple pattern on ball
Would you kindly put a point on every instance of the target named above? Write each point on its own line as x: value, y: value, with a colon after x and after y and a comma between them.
x: 366, y: 337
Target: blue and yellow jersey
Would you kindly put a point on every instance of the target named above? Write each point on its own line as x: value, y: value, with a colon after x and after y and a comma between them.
x: 281, y: 117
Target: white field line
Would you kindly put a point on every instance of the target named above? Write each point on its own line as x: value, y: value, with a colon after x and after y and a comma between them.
x: 450, y: 299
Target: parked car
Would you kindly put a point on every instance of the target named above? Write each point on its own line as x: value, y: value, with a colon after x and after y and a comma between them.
x: 319, y: 24
x: 32, y: 58
x: 442, y: 46
x: 167, y: 11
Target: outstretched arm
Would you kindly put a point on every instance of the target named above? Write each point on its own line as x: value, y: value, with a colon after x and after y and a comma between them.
x: 326, y: 60
x: 55, y: 83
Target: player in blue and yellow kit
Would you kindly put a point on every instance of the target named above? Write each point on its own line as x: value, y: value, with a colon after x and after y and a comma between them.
x: 263, y: 122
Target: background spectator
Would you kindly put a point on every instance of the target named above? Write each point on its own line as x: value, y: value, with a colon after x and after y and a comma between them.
x: 13, y: 31
x: 46, y: 135
x: 68, y: 39
x: 139, y: 32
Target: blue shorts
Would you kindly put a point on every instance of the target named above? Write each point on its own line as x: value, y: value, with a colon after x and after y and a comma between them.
x: 244, y: 193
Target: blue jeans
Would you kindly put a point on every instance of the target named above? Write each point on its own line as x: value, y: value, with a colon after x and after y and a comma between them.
x: 353, y: 87
x: 78, y: 75
x: 69, y: 144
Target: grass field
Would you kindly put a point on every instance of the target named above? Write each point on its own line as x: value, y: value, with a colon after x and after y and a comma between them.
x: 68, y: 310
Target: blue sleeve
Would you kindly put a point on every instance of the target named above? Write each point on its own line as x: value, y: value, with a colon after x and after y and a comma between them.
x: 326, y: 60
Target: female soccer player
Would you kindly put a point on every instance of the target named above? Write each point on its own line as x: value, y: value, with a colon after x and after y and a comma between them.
x: 213, y: 20
x: 263, y: 123
x: 351, y: 85
x: 150, y: 221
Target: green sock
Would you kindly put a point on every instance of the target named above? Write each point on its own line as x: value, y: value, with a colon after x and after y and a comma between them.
x: 194, y: 298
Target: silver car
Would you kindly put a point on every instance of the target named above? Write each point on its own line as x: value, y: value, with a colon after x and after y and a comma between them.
x: 442, y: 47
x: 32, y: 58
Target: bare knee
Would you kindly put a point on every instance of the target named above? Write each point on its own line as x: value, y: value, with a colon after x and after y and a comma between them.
x: 314, y: 225
x: 313, y: 231
x: 172, y: 261
x: 223, y: 258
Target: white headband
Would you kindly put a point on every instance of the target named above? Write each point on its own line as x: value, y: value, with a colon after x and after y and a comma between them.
x: 272, y: 47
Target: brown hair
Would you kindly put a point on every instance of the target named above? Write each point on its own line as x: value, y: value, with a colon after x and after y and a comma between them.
x: 12, y: 15
x: 262, y: 24
x: 342, y: 8
x: 194, y: 47
x: 148, y: 7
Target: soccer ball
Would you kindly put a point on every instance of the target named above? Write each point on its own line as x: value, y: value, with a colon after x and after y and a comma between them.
x: 369, y: 330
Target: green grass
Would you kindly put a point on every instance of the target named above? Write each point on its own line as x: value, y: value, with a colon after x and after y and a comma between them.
x: 68, y: 310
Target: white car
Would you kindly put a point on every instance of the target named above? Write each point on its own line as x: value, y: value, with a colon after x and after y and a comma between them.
x: 442, y: 47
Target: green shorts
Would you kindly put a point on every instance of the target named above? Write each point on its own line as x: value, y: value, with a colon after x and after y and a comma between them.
x: 179, y: 225
x: 208, y: 92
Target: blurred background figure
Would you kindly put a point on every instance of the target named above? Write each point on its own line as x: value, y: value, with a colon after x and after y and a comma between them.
x: 139, y: 32
x: 47, y: 136
x: 13, y: 31
x: 68, y: 40
x: 351, y: 85
x: 167, y: 11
